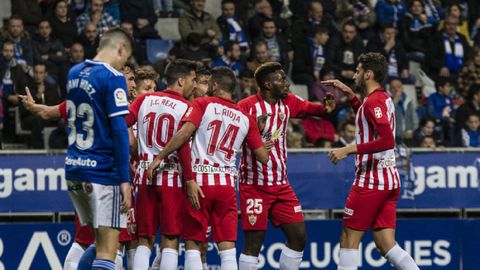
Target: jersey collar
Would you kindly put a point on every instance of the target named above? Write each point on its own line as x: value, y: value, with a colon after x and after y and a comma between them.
x: 168, y: 91
x: 227, y: 99
x: 378, y: 89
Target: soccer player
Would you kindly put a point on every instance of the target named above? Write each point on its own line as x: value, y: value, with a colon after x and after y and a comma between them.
x: 220, y: 127
x: 265, y: 192
x: 160, y: 200
x: 372, y: 201
x: 97, y: 162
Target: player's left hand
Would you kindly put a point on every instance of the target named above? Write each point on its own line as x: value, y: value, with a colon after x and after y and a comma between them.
x: 337, y: 154
x: 329, y: 103
x: 126, y: 197
x: 193, y: 192
x: 262, y: 121
x: 269, y: 145
x: 152, y: 167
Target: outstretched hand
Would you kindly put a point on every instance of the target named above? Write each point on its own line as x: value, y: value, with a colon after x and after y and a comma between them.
x: 341, y: 86
x: 27, y: 100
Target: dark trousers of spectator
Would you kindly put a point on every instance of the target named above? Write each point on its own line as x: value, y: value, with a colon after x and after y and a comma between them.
x: 35, y: 124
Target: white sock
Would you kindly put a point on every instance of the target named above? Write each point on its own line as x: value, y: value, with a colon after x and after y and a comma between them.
x: 157, y: 260
x: 130, y: 256
x: 400, y: 259
x: 142, y: 258
x: 204, y: 266
x: 119, y: 261
x: 348, y: 259
x: 228, y: 259
x: 193, y: 261
x: 73, y: 257
x: 290, y: 259
x: 169, y: 259
x: 247, y: 262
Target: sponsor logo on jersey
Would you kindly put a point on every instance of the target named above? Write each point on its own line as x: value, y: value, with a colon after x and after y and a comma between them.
x: 252, y: 219
x: 378, y: 112
x: 120, y: 97
x: 348, y: 211
x: 297, y: 209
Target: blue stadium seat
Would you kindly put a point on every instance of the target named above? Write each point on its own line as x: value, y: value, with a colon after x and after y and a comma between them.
x: 157, y: 49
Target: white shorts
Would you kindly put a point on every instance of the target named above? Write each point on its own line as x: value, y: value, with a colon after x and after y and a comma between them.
x: 96, y: 204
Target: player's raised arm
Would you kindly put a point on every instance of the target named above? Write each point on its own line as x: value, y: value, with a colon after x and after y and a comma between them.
x: 45, y: 112
x: 354, y: 101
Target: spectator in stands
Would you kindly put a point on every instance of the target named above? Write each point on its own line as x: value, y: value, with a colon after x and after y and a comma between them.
x: 12, y: 75
x: 344, y: 51
x: 471, y: 106
x: 304, y: 27
x: 23, y: 43
x: 30, y: 13
x: 43, y: 93
x: 390, y: 12
x: 455, y: 11
x: 278, y: 47
x: 440, y: 103
x: 248, y: 85
x: 90, y: 40
x: 471, y: 131
x: 308, y: 62
x: 75, y: 56
x: 416, y: 31
x: 232, y: 28
x: 448, y: 51
x: 141, y: 14
x: 470, y: 74
x: 406, y: 119
x: 320, y: 90
x: 319, y: 132
x: 63, y: 26
x: 347, y: 134
x: 198, y: 21
x: 361, y: 12
x: 428, y: 142
x: 139, y: 50
x: 387, y: 44
x: 263, y: 10
x: 49, y: 50
x: 426, y: 129
x: 295, y: 134
x: 98, y: 16
x: 163, y: 8
x: 231, y: 58
x: 433, y: 10
x: 260, y: 55
x: 194, y: 50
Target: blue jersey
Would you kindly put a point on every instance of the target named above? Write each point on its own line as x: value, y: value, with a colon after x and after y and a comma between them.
x: 95, y: 92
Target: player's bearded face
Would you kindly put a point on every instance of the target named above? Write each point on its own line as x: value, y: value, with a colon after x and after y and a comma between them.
x: 280, y: 85
x: 359, y: 79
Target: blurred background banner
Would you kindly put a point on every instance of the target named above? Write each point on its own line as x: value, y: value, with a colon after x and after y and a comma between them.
x: 434, y: 244
x: 36, y: 183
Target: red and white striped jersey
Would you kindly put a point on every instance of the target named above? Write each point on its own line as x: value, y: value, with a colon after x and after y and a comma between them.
x: 378, y: 170
x: 252, y: 172
x: 158, y: 118
x: 222, y: 128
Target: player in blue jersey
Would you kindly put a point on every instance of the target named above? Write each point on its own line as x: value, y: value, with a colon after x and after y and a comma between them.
x: 97, y: 161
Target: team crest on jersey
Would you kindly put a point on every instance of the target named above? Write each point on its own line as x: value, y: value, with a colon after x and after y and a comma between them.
x: 120, y: 97
x: 252, y: 219
x: 378, y: 112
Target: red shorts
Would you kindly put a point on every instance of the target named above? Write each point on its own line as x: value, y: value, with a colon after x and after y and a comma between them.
x: 218, y: 213
x: 159, y: 206
x: 368, y: 208
x: 84, y: 234
x: 260, y: 203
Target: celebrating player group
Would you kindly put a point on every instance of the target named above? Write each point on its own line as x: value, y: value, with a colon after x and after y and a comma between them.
x: 173, y: 153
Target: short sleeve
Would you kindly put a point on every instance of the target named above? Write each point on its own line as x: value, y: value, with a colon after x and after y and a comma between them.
x: 133, y: 110
x: 195, y: 112
x: 254, y: 140
x: 62, y: 108
x: 376, y: 112
x: 116, y: 96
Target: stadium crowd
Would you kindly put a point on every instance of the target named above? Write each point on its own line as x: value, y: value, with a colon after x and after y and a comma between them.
x: 432, y: 47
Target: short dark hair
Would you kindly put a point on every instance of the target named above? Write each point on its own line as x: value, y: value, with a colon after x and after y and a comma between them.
x: 386, y: 26
x: 177, y: 69
x: 203, y: 72
x: 128, y: 67
x: 375, y: 62
x: 113, y: 36
x: 473, y: 90
x: 142, y: 74
x: 351, y: 23
x: 15, y: 17
x: 228, y: 2
x: 319, y: 29
x: 229, y: 45
x: 346, y: 123
x: 8, y: 42
x: 224, y: 77
x: 264, y: 71
x: 441, y: 82
x: 246, y: 73
x: 269, y: 20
